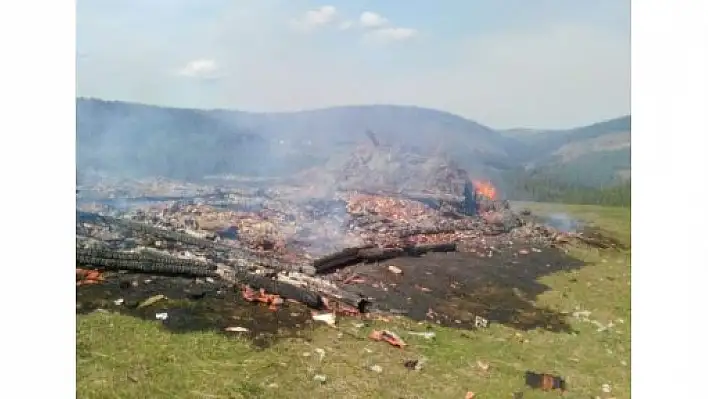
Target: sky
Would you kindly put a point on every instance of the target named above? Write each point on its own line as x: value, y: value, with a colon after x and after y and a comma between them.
x: 505, y: 64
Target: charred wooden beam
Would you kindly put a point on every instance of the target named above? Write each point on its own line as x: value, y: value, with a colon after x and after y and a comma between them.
x: 144, y: 267
x: 352, y: 256
x: 418, y: 250
x: 284, y: 290
x: 345, y: 257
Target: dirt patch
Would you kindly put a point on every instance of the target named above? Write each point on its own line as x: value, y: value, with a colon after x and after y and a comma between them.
x: 451, y: 289
x: 194, y: 306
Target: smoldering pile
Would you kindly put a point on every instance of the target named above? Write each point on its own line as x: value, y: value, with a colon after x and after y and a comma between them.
x: 283, y: 238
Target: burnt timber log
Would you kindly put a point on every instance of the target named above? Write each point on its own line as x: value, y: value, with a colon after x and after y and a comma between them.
x: 352, y: 256
x: 282, y: 289
x: 347, y: 256
x: 143, y: 267
x: 418, y: 250
x: 303, y: 295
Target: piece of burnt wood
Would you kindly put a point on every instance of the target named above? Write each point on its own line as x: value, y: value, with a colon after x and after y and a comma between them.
x: 352, y: 256
x: 418, y: 250
x: 284, y: 290
x: 353, y: 299
x: 370, y: 255
x: 342, y: 258
x: 425, y: 231
x: 144, y: 267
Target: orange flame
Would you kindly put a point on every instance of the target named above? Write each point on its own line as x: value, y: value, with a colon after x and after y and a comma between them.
x: 485, y: 188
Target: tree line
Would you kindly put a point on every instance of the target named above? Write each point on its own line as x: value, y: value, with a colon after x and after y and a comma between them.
x: 544, y: 188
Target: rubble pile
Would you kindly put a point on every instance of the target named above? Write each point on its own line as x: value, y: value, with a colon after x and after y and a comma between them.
x: 284, y: 239
x: 383, y: 168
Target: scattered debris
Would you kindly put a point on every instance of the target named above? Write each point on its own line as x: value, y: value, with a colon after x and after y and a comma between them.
x: 320, y: 352
x: 272, y: 300
x: 320, y: 378
x: 481, y: 322
x: 119, y: 301
x: 484, y: 366
x: 395, y: 270
x: 416, y: 364
x: 582, y: 314
x: 328, y: 318
x: 376, y: 368
x: 470, y: 395
x: 236, y: 329
x: 387, y: 336
x: 86, y: 277
x: 425, y: 334
x: 545, y: 382
x: 161, y: 316
x: 271, y: 241
x: 606, y: 388
x: 151, y: 301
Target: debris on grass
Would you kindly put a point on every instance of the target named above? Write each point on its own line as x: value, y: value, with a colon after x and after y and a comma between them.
x: 582, y: 314
x: 119, y: 301
x: 161, y: 316
x: 328, y: 318
x: 320, y: 378
x: 376, y: 368
x: 426, y: 334
x: 415, y: 364
x: 151, y: 301
x: 545, y: 382
x: 387, y: 336
x: 320, y: 352
x: 236, y: 329
x: 470, y: 395
x: 481, y: 322
x: 251, y: 295
x: 484, y: 366
x: 88, y: 276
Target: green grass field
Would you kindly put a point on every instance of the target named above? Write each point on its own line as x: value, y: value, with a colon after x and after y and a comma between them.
x: 125, y: 357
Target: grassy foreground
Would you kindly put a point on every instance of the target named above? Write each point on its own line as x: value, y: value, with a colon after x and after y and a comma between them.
x: 124, y: 357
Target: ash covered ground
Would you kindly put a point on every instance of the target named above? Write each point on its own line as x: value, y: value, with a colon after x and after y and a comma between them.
x: 383, y: 232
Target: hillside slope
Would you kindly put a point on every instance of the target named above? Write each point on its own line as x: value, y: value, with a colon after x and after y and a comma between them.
x: 597, y: 154
x: 140, y: 140
x: 134, y: 140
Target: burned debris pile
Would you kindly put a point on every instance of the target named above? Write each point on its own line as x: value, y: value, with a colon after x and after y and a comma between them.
x: 288, y: 239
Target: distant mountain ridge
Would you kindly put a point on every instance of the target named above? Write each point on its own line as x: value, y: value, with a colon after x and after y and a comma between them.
x: 141, y: 140
x: 597, y: 154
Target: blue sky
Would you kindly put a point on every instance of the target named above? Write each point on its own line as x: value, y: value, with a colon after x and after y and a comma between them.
x: 511, y: 63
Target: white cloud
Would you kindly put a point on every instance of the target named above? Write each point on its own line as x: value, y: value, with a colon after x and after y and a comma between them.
x: 558, y: 72
x: 392, y: 34
x: 346, y: 25
x: 319, y: 17
x: 379, y: 29
x: 370, y: 19
x: 201, y: 68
